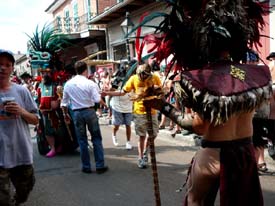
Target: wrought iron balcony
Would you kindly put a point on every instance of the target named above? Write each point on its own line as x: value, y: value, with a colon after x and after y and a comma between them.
x: 70, y: 25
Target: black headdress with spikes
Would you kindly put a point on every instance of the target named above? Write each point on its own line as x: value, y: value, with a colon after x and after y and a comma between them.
x: 196, y: 32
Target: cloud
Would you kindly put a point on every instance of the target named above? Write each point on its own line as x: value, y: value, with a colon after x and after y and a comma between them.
x: 18, y: 17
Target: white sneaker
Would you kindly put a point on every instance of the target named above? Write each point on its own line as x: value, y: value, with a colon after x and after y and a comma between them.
x: 128, y: 146
x: 145, y: 157
x: 115, y: 140
x: 141, y: 164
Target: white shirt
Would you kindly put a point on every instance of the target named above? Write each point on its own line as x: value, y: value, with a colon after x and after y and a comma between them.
x: 80, y: 92
x: 122, y: 104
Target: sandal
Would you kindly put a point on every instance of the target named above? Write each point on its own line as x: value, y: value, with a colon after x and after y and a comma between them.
x: 262, y: 167
x: 175, y: 132
x: 161, y: 127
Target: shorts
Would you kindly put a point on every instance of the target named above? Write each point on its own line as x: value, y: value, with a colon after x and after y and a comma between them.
x: 141, y: 124
x: 22, y: 177
x: 263, y: 129
x: 119, y: 118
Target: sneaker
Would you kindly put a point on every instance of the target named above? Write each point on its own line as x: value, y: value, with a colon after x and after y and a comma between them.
x: 173, y: 134
x: 141, y: 164
x: 161, y: 127
x: 128, y: 146
x: 197, y: 140
x: 145, y: 157
x: 51, y: 153
x: 262, y: 167
x: 115, y: 141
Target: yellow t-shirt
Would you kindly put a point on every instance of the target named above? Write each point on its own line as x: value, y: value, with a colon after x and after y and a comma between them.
x: 138, y: 87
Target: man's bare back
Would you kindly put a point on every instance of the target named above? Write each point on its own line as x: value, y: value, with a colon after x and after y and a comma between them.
x: 237, y: 127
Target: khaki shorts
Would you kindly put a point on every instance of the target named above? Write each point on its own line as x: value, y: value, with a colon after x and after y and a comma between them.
x: 141, y: 124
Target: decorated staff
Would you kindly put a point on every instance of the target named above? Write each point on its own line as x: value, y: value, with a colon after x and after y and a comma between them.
x: 59, y: 91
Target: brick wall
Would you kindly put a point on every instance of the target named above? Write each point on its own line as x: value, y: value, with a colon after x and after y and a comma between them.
x: 102, y: 4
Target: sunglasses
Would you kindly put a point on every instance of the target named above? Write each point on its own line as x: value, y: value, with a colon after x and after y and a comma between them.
x: 144, y: 74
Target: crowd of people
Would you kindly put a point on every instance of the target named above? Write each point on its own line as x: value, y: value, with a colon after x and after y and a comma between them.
x: 126, y: 105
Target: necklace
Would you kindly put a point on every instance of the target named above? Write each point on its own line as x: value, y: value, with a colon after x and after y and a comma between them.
x: 47, y: 89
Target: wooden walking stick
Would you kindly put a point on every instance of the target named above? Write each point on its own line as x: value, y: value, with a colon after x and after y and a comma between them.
x: 153, y: 156
x: 59, y: 91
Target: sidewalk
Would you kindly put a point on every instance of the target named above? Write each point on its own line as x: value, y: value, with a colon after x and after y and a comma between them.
x: 183, y: 140
x: 164, y: 134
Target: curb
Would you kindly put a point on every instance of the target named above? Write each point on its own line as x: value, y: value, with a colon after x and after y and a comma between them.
x: 164, y: 135
x: 184, y: 140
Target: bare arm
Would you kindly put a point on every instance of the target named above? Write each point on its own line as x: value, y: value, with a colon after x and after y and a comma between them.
x: 103, y: 103
x: 66, y: 116
x: 191, y: 122
x: 30, y: 118
x: 14, y: 108
x: 113, y: 93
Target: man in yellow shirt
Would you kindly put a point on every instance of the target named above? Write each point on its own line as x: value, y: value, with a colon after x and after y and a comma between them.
x: 139, y: 84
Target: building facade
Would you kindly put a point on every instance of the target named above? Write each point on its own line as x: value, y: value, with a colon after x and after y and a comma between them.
x: 95, y: 25
x: 71, y: 17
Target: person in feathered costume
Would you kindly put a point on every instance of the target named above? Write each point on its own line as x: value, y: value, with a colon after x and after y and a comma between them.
x: 208, y: 39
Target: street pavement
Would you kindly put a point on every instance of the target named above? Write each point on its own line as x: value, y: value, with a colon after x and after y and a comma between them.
x: 59, y: 181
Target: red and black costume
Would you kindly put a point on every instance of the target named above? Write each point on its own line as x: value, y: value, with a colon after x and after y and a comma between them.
x: 208, y: 39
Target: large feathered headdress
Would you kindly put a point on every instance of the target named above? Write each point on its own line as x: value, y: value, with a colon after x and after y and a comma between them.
x: 196, y: 32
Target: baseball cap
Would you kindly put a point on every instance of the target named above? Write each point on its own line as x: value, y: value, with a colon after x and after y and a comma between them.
x: 252, y: 56
x: 7, y: 54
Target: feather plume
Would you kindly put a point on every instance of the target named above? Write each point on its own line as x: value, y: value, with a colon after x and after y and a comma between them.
x: 195, y: 32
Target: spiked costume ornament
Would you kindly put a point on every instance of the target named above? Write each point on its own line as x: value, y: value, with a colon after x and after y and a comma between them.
x: 208, y: 40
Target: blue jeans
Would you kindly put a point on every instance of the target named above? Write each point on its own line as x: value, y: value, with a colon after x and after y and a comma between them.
x: 82, y: 119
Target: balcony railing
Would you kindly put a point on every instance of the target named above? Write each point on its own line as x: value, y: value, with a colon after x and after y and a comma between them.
x: 69, y: 25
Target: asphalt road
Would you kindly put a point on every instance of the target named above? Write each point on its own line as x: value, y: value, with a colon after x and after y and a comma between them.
x: 59, y: 181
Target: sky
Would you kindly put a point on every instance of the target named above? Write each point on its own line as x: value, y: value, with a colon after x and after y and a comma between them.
x: 19, y: 18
